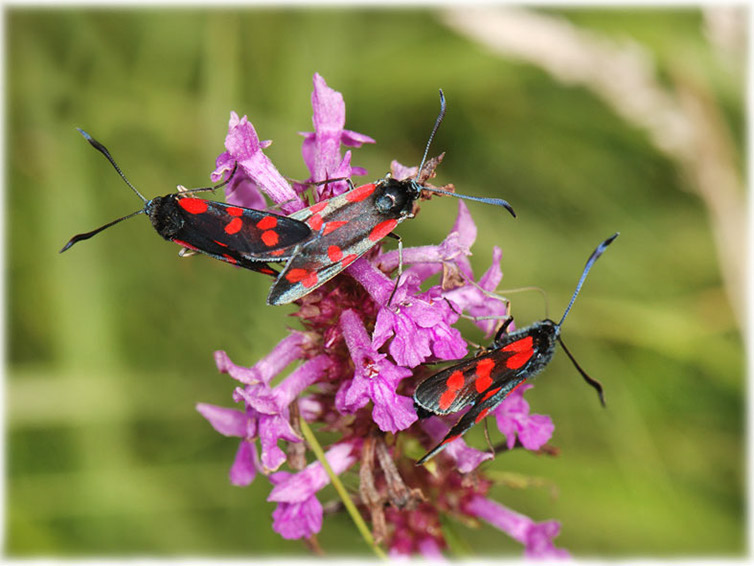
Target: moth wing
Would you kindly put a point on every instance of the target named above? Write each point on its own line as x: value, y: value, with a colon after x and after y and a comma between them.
x: 243, y: 232
x: 342, y: 231
x: 487, y: 401
x: 454, y: 388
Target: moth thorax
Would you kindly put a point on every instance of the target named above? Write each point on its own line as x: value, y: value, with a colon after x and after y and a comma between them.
x: 165, y: 216
x: 395, y: 198
x: 544, y: 334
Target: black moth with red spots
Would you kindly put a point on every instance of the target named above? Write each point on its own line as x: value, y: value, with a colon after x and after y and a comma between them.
x: 485, y: 380
x: 347, y: 226
x: 241, y: 236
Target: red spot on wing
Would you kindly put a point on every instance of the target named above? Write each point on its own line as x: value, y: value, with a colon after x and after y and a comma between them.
x: 234, y: 211
x: 319, y: 207
x: 193, y: 205
x: 453, y: 384
x: 348, y: 260
x: 482, y: 414
x: 277, y: 252
x: 455, y: 381
x: 334, y: 225
x: 310, y: 280
x: 482, y: 370
x: 360, y: 193
x: 490, y: 393
x: 270, y: 238
x: 267, y: 223
x: 382, y: 229
x: 523, y: 351
x: 230, y: 259
x: 334, y: 253
x: 307, y: 278
x: 234, y: 226
x: 315, y: 222
x: 296, y: 275
x: 451, y: 438
x: 220, y: 243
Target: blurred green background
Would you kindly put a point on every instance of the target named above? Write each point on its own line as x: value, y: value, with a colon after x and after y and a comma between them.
x: 110, y: 345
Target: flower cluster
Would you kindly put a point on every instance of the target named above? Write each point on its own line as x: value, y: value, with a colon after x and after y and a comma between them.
x: 358, y: 359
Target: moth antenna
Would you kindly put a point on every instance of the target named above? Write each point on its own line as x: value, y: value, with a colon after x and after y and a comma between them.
x: 103, y: 150
x: 492, y: 201
x: 589, y: 263
x: 87, y: 235
x: 438, y: 121
x: 590, y: 380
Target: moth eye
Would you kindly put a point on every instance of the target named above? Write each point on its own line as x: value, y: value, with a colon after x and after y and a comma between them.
x: 385, y: 202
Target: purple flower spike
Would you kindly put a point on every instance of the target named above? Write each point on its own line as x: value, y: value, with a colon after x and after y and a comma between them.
x: 244, y: 148
x: 536, y: 537
x: 299, y: 513
x: 321, y: 149
x: 366, y: 337
x: 513, y: 419
x: 374, y: 378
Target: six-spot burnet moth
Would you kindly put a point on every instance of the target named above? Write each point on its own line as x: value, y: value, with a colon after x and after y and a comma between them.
x: 233, y: 234
x: 348, y: 225
x: 486, y: 380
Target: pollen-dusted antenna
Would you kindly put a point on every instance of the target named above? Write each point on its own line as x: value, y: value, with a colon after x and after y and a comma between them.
x: 438, y: 121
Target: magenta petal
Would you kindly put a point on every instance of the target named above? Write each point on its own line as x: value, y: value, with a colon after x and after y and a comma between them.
x: 392, y: 412
x: 537, y: 537
x: 298, y: 520
x: 246, y: 150
x: 244, y: 468
x: 513, y: 419
x: 286, y: 351
x: 228, y: 422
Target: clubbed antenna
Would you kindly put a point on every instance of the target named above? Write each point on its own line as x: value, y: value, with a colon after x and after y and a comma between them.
x: 589, y: 263
x: 438, y: 121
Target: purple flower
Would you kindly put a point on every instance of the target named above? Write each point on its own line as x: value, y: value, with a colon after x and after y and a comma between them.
x: 536, y: 537
x: 255, y: 170
x: 299, y: 513
x: 418, y: 325
x: 321, y: 148
x: 267, y: 415
x: 513, y: 419
x: 375, y: 379
x: 232, y: 422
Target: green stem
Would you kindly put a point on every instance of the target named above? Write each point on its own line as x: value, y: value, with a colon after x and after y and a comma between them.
x: 350, y: 507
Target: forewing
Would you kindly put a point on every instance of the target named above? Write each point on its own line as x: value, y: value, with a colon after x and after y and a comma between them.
x: 244, y: 233
x: 343, y: 229
x: 486, y: 402
x: 456, y: 387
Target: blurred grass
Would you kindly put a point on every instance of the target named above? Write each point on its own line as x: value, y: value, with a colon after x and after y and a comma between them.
x: 110, y: 346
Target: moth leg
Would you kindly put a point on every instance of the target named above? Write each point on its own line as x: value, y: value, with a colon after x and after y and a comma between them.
x: 487, y: 437
x: 187, y: 252
x: 400, y: 265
